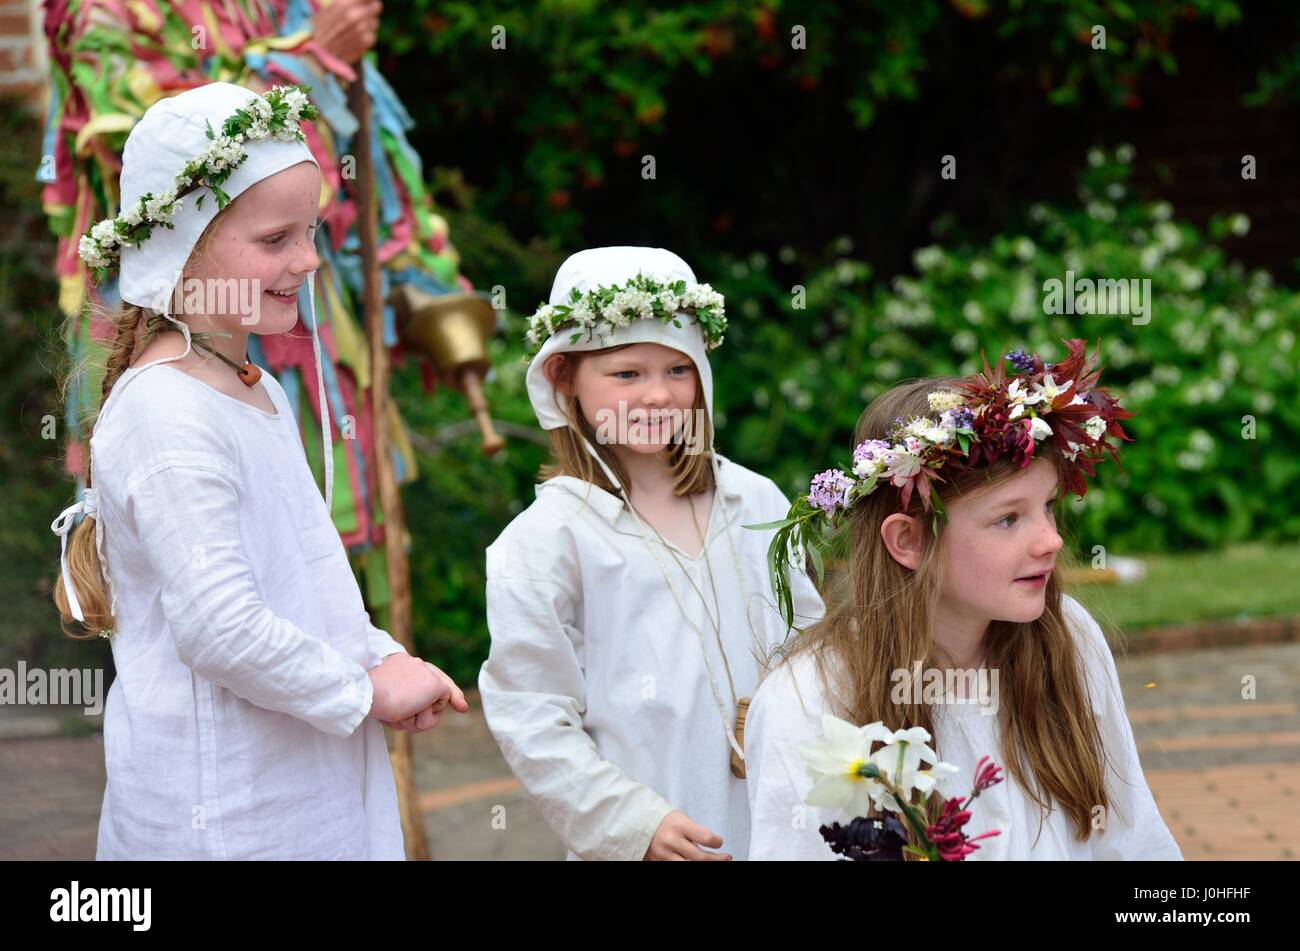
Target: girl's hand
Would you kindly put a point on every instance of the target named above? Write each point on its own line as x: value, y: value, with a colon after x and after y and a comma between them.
x: 678, y: 839
x: 405, y: 685
x: 428, y: 718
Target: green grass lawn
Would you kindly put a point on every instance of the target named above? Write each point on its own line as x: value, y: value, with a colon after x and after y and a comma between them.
x: 1239, y: 582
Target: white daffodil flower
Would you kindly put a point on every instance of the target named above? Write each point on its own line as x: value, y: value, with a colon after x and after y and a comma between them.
x: 833, y: 763
x: 901, y: 758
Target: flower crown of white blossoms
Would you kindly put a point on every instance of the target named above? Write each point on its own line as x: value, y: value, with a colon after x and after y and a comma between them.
x: 275, y: 115
x: 640, y: 298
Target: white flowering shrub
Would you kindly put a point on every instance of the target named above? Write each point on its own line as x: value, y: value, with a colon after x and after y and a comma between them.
x: 1212, y: 374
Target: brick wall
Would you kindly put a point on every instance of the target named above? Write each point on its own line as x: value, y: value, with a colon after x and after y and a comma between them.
x: 23, y: 62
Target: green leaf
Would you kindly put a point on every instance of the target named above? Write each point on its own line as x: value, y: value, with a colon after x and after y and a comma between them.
x: 814, y: 552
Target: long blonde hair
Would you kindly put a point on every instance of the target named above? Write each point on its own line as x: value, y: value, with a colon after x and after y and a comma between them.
x: 692, y: 472
x: 128, y: 322
x: 880, y: 621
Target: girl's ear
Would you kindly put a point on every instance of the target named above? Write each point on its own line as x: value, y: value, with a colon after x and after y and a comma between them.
x: 553, y: 369
x: 903, y: 537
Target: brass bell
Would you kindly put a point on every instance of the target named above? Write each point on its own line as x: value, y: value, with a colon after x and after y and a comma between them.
x: 452, y: 330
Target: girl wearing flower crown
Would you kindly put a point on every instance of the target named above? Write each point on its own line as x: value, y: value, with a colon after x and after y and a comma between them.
x: 630, y: 614
x: 244, y: 721
x: 949, y: 514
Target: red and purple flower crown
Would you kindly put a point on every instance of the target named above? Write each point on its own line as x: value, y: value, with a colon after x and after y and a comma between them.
x: 985, y: 418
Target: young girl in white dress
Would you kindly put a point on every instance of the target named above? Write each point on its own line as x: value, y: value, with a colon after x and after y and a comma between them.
x: 950, y: 510
x: 630, y: 612
x: 245, y: 718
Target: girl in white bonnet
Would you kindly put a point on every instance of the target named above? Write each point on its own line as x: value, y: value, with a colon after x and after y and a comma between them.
x: 631, y: 614
x: 245, y: 718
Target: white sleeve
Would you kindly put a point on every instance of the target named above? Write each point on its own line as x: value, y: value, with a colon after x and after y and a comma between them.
x: 782, y: 825
x: 185, y: 507
x: 534, y: 696
x: 382, y: 644
x: 1134, y: 828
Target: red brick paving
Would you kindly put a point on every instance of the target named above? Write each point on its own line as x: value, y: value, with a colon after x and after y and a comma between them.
x: 1187, y: 729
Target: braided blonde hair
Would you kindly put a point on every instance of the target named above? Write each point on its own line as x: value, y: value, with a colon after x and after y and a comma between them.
x: 84, y: 565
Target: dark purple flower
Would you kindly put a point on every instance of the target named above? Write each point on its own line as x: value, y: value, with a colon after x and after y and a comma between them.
x: 1024, y: 362
x: 961, y: 418
x: 867, y: 840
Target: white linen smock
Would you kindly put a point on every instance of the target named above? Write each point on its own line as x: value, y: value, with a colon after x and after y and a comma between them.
x: 596, y: 688
x: 787, y: 713
x: 237, y: 725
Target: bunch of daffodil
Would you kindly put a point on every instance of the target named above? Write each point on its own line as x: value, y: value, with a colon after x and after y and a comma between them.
x: 902, y: 776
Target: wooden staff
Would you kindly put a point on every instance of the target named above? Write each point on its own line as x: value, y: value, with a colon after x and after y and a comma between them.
x: 390, y: 499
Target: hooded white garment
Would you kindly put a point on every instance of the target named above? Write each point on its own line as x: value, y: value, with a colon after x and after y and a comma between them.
x: 787, y: 714
x: 237, y: 725
x: 599, y: 691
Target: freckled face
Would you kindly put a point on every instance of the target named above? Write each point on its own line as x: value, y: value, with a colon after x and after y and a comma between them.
x: 1000, y: 546
x: 266, y: 238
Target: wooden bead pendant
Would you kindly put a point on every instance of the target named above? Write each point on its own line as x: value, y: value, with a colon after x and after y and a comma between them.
x: 738, y: 764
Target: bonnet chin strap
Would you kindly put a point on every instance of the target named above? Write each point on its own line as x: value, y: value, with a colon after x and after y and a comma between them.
x: 326, y: 432
x: 326, y: 435
x: 645, y: 537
